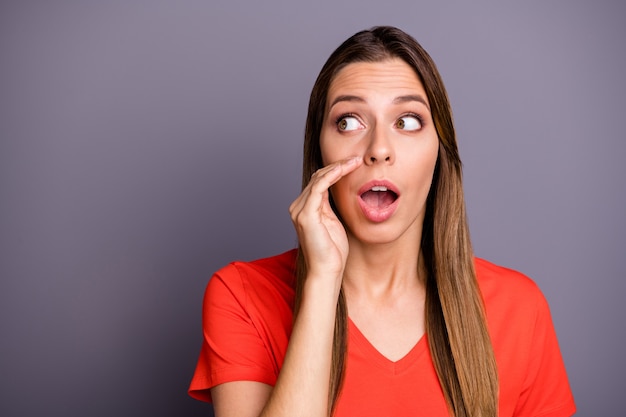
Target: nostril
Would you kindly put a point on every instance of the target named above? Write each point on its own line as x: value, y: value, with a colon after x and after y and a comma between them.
x: 373, y: 159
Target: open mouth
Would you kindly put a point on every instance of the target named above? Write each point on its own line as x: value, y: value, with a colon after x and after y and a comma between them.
x: 379, y: 197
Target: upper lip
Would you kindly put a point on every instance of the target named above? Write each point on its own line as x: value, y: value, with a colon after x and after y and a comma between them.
x: 379, y: 183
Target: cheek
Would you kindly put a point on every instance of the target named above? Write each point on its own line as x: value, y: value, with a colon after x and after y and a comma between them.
x: 338, y: 190
x: 329, y: 154
x: 334, y: 148
x: 431, y: 152
x: 433, y: 157
x: 341, y: 197
x: 430, y: 165
x: 422, y: 164
x: 325, y: 149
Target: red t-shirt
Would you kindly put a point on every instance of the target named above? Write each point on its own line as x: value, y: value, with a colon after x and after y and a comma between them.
x: 247, y: 321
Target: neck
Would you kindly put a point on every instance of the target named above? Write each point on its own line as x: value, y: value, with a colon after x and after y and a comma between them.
x: 383, y: 270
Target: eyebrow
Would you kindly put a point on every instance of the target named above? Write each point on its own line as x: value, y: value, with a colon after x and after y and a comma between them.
x: 397, y: 100
x: 411, y: 97
x: 346, y: 98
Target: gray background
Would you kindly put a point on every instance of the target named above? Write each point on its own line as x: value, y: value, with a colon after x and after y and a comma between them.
x: 145, y: 144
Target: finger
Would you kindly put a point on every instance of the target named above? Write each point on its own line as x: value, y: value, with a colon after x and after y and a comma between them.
x: 297, y: 205
x: 324, y: 178
x: 315, y: 195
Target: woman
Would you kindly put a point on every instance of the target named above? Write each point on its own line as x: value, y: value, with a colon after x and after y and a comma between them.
x: 383, y: 310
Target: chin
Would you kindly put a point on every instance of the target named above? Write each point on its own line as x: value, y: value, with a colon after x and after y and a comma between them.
x: 377, y: 234
x: 386, y: 233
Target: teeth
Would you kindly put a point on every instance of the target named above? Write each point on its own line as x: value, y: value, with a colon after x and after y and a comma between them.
x: 379, y: 188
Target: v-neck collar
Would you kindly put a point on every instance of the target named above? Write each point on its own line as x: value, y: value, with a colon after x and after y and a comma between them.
x: 360, y: 341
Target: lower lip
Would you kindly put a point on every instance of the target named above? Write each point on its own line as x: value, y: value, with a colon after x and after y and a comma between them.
x: 376, y: 214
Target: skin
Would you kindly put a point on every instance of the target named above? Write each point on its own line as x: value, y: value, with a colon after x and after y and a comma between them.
x: 377, y: 263
x: 390, y: 129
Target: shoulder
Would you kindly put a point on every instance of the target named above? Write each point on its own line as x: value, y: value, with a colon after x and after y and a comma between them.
x: 513, y: 301
x: 276, y: 271
x: 246, y: 319
x: 251, y: 288
x: 489, y: 273
x: 498, y: 282
x: 515, y: 307
x: 281, y: 265
x: 533, y: 380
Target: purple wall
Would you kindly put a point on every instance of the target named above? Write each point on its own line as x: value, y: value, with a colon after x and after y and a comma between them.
x: 145, y: 144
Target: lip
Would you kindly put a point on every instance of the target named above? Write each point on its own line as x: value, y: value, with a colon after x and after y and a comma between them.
x: 375, y: 214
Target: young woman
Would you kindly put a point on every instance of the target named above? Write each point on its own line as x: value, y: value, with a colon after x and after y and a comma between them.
x: 382, y: 310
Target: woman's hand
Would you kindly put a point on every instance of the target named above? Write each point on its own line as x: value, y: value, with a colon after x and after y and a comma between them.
x: 303, y: 384
x: 322, y: 237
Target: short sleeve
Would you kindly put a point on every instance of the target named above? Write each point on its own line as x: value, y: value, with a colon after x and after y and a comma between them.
x: 232, y: 348
x: 546, y: 391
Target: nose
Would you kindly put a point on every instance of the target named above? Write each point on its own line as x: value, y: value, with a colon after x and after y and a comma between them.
x: 380, y: 148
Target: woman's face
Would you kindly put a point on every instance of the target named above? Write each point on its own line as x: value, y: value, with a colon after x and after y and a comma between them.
x: 379, y: 112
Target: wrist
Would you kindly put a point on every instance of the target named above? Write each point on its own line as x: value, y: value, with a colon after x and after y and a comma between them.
x: 322, y: 289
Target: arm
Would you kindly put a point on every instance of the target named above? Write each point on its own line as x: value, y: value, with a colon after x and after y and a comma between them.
x: 303, y: 383
x: 546, y: 391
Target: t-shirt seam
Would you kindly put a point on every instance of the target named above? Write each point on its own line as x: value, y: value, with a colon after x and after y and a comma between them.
x: 563, y: 406
x: 392, y: 369
x: 243, y: 277
x: 536, y: 302
x: 231, y: 369
x: 248, y: 282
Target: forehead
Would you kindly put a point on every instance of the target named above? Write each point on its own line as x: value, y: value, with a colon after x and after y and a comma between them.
x: 392, y: 77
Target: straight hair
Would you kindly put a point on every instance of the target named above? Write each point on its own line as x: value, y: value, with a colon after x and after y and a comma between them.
x: 455, y: 321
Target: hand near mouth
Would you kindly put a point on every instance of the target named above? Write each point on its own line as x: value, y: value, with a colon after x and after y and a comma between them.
x: 322, y: 237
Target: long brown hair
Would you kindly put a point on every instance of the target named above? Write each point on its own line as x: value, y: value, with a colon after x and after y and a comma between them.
x: 455, y: 321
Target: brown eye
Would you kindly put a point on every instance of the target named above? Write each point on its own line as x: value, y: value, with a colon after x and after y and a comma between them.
x: 348, y: 123
x: 409, y: 123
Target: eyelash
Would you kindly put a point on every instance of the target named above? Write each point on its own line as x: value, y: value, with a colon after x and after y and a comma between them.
x: 343, y: 116
x: 419, y: 118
